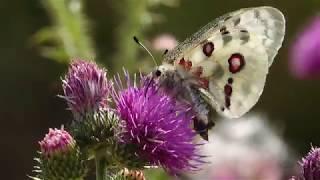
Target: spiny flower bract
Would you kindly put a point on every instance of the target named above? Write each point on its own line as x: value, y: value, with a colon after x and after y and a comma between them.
x: 159, y: 125
x: 86, y: 88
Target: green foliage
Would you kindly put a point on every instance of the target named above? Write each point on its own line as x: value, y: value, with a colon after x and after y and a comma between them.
x: 133, y: 15
x: 68, y: 34
x: 135, y: 19
x: 158, y: 174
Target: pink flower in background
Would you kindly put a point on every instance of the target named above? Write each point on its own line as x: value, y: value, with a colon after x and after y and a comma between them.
x: 56, y: 141
x: 164, y: 41
x: 305, y: 51
x: 244, y: 149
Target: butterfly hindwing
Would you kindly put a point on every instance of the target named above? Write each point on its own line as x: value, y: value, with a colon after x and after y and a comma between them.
x: 232, y: 55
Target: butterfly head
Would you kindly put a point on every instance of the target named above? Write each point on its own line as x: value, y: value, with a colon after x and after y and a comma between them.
x: 163, y: 71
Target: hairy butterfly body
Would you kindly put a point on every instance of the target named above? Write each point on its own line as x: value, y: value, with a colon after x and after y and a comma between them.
x: 224, y: 65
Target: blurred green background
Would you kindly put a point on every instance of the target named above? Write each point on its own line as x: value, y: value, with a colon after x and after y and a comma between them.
x: 30, y: 79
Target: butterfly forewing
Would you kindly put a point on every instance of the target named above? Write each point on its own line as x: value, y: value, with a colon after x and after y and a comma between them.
x: 230, y: 57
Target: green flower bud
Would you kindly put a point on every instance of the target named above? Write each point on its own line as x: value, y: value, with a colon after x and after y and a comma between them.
x: 60, y: 158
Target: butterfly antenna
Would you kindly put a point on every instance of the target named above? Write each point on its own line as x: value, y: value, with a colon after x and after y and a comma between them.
x: 139, y: 43
x: 165, y: 52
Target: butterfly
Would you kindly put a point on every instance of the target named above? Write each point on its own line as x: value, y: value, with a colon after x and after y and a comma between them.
x: 223, y: 66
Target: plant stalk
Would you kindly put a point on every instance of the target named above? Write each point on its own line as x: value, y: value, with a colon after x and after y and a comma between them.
x: 101, y: 165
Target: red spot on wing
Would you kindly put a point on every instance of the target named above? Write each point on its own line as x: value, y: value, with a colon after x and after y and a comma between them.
x: 182, y: 62
x: 227, y: 102
x: 204, y: 82
x: 208, y: 48
x: 227, y: 93
x: 227, y: 90
x: 236, y: 63
x: 188, y: 65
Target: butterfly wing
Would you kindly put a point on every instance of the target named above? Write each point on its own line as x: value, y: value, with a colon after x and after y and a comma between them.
x: 231, y: 57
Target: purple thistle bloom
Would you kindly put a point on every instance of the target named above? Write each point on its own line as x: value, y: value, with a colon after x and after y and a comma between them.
x: 305, y: 52
x: 56, y: 141
x: 158, y: 124
x: 86, y: 88
x: 311, y: 165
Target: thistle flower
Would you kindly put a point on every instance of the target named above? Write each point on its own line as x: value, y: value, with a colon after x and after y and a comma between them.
x: 56, y: 141
x: 158, y: 125
x: 311, y: 165
x: 86, y: 88
x: 60, y: 157
x: 305, y: 54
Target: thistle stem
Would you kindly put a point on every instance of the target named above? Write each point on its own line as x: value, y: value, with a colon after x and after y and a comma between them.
x: 101, y: 165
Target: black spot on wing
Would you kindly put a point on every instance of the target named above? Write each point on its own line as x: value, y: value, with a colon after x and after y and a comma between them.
x: 256, y: 14
x: 237, y: 22
x: 223, y: 29
x: 219, y: 72
x: 227, y: 18
x: 225, y: 32
x: 244, y: 36
x: 226, y: 36
x: 262, y: 21
x: 226, y: 39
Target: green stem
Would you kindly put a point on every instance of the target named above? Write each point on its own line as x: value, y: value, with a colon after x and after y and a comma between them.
x: 101, y: 165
